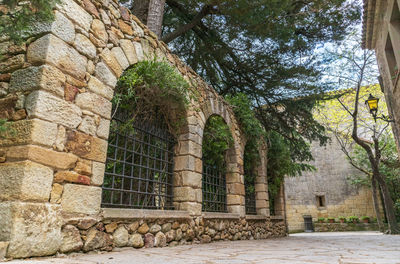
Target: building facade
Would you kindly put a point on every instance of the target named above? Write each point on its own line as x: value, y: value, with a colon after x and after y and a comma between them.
x: 326, y: 192
x: 60, y: 190
x: 381, y: 32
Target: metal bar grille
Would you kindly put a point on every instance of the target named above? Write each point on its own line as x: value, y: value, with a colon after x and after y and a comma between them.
x: 139, y: 166
x: 250, y: 195
x: 214, y: 190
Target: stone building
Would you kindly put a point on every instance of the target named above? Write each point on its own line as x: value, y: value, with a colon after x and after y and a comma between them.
x: 327, y: 191
x: 381, y: 32
x: 56, y: 91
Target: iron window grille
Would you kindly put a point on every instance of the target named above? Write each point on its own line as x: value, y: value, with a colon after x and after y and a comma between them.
x: 140, y: 165
x: 214, y: 190
x: 250, y: 195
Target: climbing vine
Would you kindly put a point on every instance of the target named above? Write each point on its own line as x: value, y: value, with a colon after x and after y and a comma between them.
x: 152, y: 88
x: 17, y: 16
x: 251, y: 128
x: 217, y: 139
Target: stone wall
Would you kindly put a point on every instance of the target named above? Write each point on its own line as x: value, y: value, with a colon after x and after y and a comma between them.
x: 330, y: 181
x: 345, y: 227
x: 56, y: 91
x: 381, y: 33
x: 155, y: 229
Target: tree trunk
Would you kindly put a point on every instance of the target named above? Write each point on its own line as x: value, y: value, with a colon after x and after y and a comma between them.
x: 389, y: 206
x: 155, y: 16
x: 140, y: 8
x: 375, y: 200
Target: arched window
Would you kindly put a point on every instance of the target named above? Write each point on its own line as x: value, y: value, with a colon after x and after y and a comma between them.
x: 140, y: 165
x: 217, y: 140
x: 250, y: 175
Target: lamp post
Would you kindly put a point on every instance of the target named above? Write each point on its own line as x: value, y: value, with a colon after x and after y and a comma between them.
x: 372, y: 105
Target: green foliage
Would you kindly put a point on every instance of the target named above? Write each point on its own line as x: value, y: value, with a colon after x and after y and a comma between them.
x: 265, y: 49
x: 353, y: 219
x: 152, y: 87
x: 331, y: 218
x: 365, y: 218
x: 217, y: 139
x: 321, y: 219
x: 22, y: 15
x: 389, y: 167
x: 342, y: 218
x: 3, y: 127
x: 253, y: 131
x: 281, y: 164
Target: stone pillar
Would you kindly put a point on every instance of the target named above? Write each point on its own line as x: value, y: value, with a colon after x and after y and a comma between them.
x: 188, y: 165
x: 261, y: 184
x: 235, y: 183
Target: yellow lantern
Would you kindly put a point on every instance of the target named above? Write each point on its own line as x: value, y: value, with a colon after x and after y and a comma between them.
x: 372, y: 105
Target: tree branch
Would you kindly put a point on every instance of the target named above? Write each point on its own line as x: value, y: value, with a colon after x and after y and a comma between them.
x: 206, y: 10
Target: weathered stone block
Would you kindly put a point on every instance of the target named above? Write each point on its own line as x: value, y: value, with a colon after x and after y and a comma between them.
x: 13, y: 63
x: 121, y: 237
x: 60, y: 26
x: 97, y: 240
x: 126, y: 28
x: 96, y: 86
x: 34, y: 131
x: 48, y: 157
x: 94, y: 103
x: 3, y: 249
x: 129, y: 50
x: 139, y: 51
x: 85, y: 46
x: 25, y: 181
x: 111, y: 61
x: 136, y: 241
x: 88, y: 125
x: 71, y: 239
x: 98, y: 170
x: 103, y: 130
x: 193, y: 208
x: 50, y: 49
x: 86, y: 146
x: 56, y: 193
x: 76, y: 13
x: 81, y: 199
x: 71, y: 176
x: 185, y: 162
x: 104, y: 74
x: 48, y: 107
x: 187, y: 194
x: 120, y: 56
x: 100, y: 33
x: 33, y: 229
x: 44, y: 77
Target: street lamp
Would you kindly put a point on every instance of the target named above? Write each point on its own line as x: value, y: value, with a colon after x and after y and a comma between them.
x: 372, y: 105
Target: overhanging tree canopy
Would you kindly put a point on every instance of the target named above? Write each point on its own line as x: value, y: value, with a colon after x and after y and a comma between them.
x: 263, y: 48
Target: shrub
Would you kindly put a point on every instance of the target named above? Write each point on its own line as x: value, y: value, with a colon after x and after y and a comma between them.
x: 321, y: 219
x: 365, y: 218
x: 353, y: 219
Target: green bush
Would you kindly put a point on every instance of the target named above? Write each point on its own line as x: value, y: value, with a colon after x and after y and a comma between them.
x: 150, y: 88
x: 321, y: 219
x: 353, y: 219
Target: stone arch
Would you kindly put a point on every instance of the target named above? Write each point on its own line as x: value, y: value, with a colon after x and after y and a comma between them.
x: 215, y: 105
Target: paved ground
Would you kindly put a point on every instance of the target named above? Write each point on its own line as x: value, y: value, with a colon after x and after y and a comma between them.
x: 338, y: 248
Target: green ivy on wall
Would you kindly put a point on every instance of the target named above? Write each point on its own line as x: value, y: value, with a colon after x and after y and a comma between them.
x: 152, y: 87
x: 19, y: 16
x: 217, y: 140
